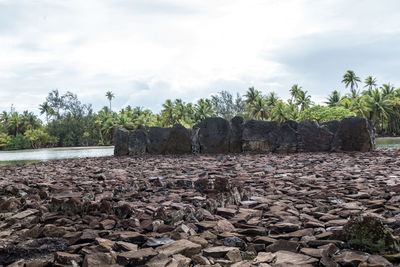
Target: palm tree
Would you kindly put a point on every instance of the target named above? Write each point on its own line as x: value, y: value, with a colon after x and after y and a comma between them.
x: 370, y: 82
x: 203, y: 109
x: 350, y: 78
x: 271, y: 100
x: 110, y: 96
x: 14, y: 123
x: 180, y: 109
x: 251, y: 95
x: 388, y: 89
x: 46, y: 109
x: 303, y: 100
x: 333, y: 99
x: 259, y: 109
x: 279, y: 112
x: 379, y: 107
x: 168, y: 113
x: 294, y: 91
x: 359, y: 106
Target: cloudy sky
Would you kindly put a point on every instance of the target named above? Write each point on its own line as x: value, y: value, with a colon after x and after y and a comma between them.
x: 146, y: 51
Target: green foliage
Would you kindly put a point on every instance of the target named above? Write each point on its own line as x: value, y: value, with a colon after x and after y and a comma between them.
x: 71, y: 123
x: 5, y: 140
x: 18, y: 142
x: 322, y: 113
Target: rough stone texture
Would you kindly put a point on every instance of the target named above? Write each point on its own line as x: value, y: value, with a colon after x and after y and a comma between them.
x: 287, y: 137
x: 294, y: 206
x: 121, y: 140
x: 214, y: 135
x: 138, y: 141
x: 235, y: 143
x: 313, y: 138
x: 354, y: 134
x: 158, y: 139
x: 369, y: 234
x: 260, y: 136
x: 333, y: 125
x: 179, y: 141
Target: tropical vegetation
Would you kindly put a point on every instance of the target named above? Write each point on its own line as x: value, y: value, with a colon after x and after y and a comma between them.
x: 68, y: 122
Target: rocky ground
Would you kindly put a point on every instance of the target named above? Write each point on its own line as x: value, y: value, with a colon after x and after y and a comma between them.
x: 202, y: 210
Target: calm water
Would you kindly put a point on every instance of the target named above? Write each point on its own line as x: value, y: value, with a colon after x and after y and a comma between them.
x: 36, y: 155
x: 388, y: 142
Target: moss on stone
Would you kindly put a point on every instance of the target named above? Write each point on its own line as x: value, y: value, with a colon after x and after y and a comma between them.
x: 370, y: 235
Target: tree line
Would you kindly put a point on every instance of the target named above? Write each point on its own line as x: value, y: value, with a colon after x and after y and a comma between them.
x: 68, y: 122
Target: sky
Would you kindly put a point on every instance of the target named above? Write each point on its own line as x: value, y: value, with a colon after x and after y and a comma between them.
x: 146, y: 51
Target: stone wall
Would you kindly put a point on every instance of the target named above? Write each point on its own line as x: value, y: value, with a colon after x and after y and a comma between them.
x: 216, y: 135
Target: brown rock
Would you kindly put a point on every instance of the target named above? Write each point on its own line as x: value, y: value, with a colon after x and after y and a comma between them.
x: 107, y: 224
x: 217, y: 252
x: 182, y: 246
x: 135, y: 258
x: 67, y: 258
x: 98, y: 259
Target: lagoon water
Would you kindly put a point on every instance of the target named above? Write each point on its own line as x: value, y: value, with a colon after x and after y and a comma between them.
x: 36, y: 155
x: 388, y: 142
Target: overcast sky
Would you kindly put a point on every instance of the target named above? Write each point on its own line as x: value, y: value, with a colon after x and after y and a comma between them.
x: 146, y: 51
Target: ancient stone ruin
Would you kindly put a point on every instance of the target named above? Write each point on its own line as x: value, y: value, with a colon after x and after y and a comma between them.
x: 217, y: 135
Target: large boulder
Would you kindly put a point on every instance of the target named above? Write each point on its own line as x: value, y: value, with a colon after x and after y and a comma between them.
x: 138, y: 141
x: 158, y: 139
x: 333, y: 125
x: 179, y: 141
x: 287, y: 138
x: 121, y: 139
x: 260, y: 136
x: 313, y: 137
x: 354, y: 134
x: 214, y: 135
x: 235, y: 142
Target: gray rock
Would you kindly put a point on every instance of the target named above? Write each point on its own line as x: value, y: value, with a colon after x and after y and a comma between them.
x: 354, y: 134
x: 179, y: 141
x: 214, y: 135
x: 287, y: 138
x: 158, y: 138
x: 138, y: 141
x: 333, y: 125
x: 313, y: 137
x: 235, y: 142
x: 260, y: 136
x: 121, y: 139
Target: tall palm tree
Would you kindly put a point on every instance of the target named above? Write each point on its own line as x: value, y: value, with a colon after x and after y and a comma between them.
x: 259, y: 109
x: 251, y: 95
x: 350, y: 79
x: 294, y: 91
x: 110, y: 95
x: 271, y: 100
x: 303, y: 100
x: 333, y: 99
x: 379, y: 107
x: 180, y: 109
x: 46, y: 109
x: 388, y: 89
x: 279, y: 112
x: 14, y: 123
x: 168, y: 113
x: 370, y: 82
x: 203, y: 109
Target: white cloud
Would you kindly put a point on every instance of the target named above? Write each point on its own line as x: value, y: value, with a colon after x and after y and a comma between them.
x: 148, y: 50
